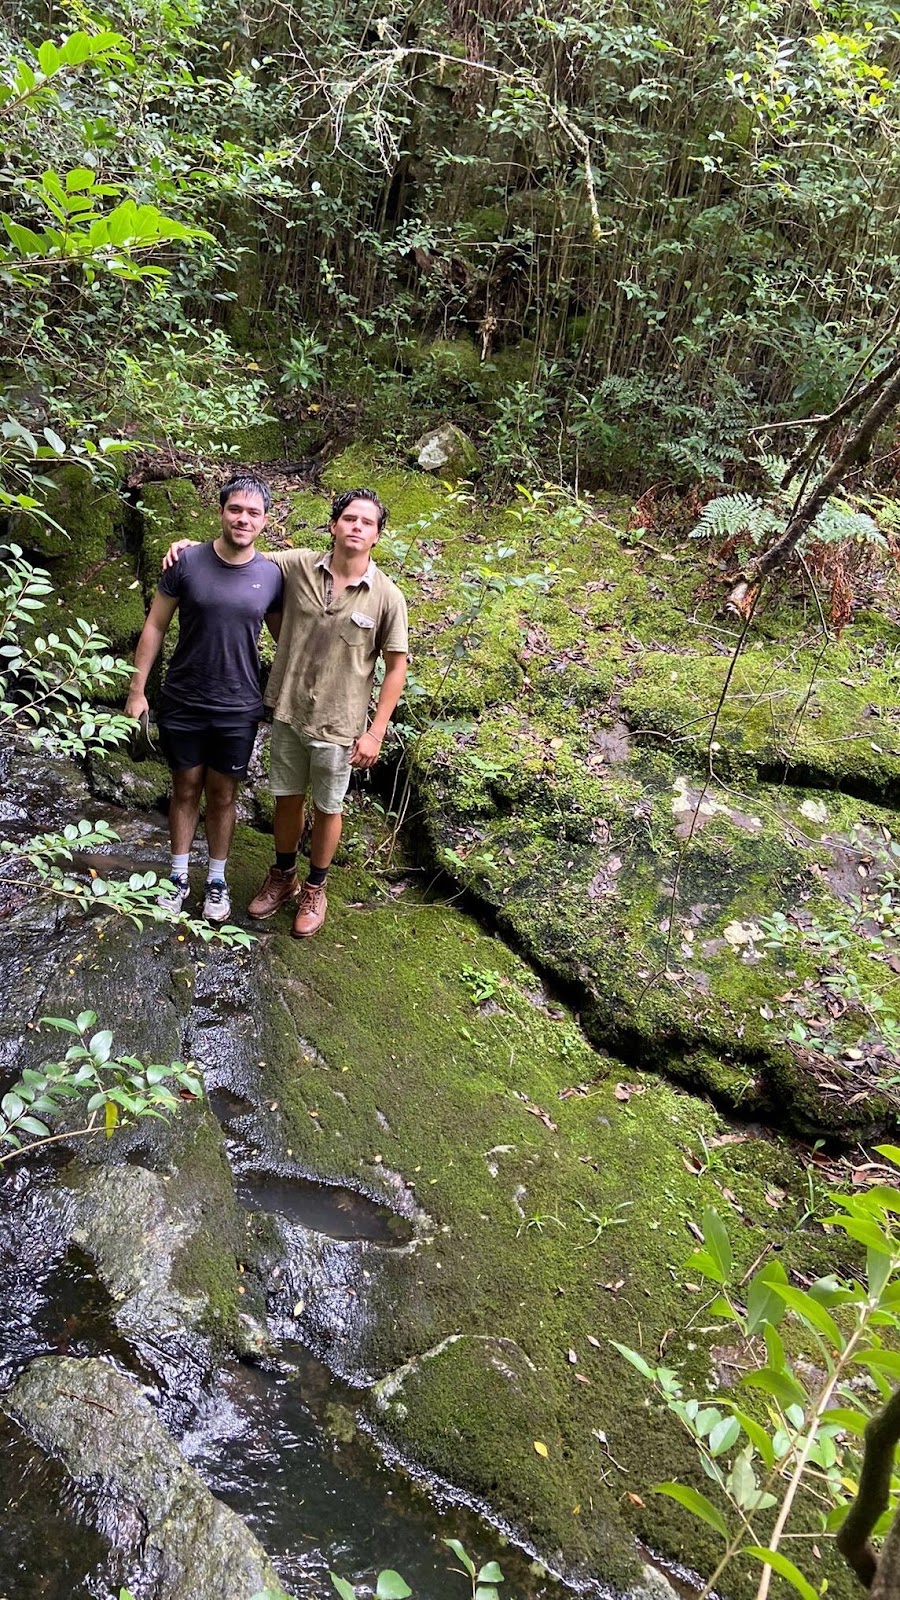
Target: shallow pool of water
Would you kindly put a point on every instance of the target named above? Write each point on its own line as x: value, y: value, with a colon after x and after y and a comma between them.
x: 324, y: 1208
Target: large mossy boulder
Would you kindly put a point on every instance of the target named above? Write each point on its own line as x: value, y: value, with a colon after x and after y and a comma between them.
x: 87, y: 556
x: 189, y: 1546
x: 480, y: 1400
x: 88, y: 518
x: 446, y: 449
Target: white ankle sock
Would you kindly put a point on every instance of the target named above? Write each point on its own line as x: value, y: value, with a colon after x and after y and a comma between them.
x: 216, y: 872
x: 180, y: 866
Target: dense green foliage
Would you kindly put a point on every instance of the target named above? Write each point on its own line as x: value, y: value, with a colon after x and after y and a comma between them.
x: 620, y: 234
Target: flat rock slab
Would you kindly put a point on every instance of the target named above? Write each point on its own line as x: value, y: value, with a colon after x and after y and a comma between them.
x: 97, y: 1422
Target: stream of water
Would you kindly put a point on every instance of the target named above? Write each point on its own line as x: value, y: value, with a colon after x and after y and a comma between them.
x: 278, y: 1445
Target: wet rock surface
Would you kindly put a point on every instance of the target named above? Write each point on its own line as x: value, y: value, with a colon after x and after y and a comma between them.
x: 152, y: 1502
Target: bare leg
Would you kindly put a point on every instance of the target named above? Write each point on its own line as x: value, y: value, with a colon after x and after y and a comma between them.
x: 287, y: 824
x: 326, y: 833
x: 184, y: 808
x: 221, y: 794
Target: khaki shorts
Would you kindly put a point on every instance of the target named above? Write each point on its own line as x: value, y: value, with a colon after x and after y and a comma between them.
x: 297, y: 763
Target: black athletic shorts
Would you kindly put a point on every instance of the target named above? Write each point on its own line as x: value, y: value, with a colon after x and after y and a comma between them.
x: 226, y: 750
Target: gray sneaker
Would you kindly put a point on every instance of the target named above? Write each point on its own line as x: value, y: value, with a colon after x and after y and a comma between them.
x: 216, y: 904
x: 173, y: 899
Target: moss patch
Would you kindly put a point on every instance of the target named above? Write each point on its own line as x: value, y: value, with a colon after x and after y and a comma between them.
x: 559, y: 1203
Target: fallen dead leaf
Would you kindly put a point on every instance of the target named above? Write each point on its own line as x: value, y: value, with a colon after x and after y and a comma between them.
x: 541, y: 1448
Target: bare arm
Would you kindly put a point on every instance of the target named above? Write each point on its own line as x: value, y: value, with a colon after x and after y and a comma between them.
x: 367, y: 747
x: 148, y: 647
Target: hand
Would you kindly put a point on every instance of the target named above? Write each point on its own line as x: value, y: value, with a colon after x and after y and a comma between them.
x: 136, y: 704
x: 366, y: 750
x: 174, y: 551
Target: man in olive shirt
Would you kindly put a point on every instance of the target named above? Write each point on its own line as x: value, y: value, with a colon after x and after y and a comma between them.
x: 340, y: 613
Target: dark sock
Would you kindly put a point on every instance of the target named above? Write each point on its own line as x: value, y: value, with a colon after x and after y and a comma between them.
x: 317, y: 876
x: 286, y: 860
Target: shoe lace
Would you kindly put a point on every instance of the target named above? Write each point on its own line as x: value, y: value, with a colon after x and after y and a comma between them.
x: 216, y: 892
x: 309, y: 897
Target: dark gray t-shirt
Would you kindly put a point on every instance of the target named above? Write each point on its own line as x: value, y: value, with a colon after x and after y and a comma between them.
x: 215, y: 669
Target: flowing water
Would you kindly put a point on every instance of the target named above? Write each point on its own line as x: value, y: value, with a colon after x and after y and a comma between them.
x: 279, y: 1445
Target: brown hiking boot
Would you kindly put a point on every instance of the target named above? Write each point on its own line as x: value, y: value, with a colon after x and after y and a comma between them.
x: 278, y: 888
x: 310, y: 911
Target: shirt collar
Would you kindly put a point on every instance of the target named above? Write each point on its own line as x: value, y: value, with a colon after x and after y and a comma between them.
x: 367, y: 578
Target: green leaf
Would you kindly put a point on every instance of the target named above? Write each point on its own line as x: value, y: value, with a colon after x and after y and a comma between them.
x: 715, y: 1237
x: 487, y: 1592
x: 696, y: 1502
x: 33, y: 1125
x: 757, y: 1434
x: 80, y: 178
x: 742, y: 1481
x: 879, y: 1361
x: 391, y: 1586
x: 784, y: 1567
x: 460, y: 1553
x: 811, y: 1312
x: 864, y: 1231
x: 878, y: 1272
x: 343, y: 1587
x: 845, y: 1418
x: 763, y: 1304
x: 723, y: 1435
x: 48, y: 58
x: 783, y: 1388
x: 636, y: 1361
x: 490, y: 1573
x: 100, y: 1045
x: 774, y: 1347
x: 891, y: 1152
x: 704, y: 1261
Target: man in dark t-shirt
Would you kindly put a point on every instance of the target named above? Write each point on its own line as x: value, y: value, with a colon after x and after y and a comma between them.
x: 210, y: 704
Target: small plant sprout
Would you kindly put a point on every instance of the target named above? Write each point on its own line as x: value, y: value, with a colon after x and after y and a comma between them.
x: 599, y: 1223
x: 484, y: 1580
x: 389, y: 1586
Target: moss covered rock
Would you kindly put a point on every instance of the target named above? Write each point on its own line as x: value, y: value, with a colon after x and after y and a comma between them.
x: 97, y: 1422
x: 448, y: 450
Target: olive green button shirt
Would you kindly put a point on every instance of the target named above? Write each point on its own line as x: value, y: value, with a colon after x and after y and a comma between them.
x: 321, y: 680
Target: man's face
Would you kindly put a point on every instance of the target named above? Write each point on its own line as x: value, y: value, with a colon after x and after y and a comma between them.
x: 243, y: 519
x: 356, y: 529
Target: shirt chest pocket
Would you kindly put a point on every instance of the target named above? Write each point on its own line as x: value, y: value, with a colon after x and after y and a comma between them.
x: 358, y: 631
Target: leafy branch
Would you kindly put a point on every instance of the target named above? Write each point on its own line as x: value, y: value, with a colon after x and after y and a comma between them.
x: 120, y: 1088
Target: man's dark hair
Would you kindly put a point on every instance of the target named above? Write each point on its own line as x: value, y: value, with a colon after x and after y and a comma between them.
x: 341, y: 501
x: 245, y: 483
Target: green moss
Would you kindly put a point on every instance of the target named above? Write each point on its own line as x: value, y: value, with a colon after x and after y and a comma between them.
x: 551, y: 1218
x: 211, y: 1263
x: 89, y: 518
x: 257, y: 444
x: 169, y: 511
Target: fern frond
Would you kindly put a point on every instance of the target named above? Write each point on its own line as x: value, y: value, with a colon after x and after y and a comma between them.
x: 731, y: 515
